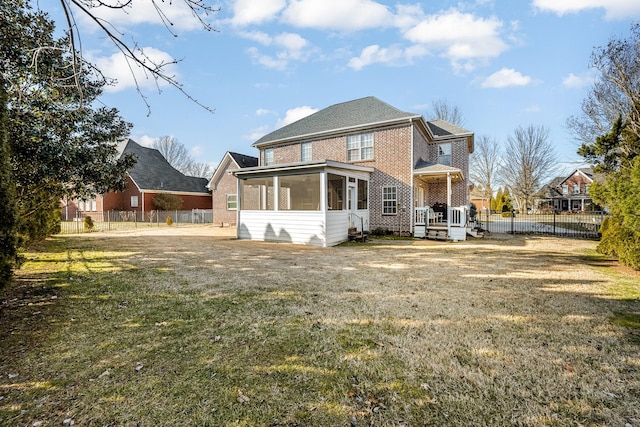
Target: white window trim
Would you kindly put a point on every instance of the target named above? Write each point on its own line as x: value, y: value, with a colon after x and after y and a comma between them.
x: 355, y: 145
x: 268, y: 156
x: 443, y: 156
x: 235, y: 201
x: 309, y: 148
x: 395, y: 205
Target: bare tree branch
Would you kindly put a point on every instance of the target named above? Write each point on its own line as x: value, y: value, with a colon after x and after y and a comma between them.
x: 529, y: 160
x: 134, y: 56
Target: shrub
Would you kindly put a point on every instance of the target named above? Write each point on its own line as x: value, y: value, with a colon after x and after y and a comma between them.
x: 169, y: 220
x: 506, y: 214
x: 167, y: 202
x: 88, y: 224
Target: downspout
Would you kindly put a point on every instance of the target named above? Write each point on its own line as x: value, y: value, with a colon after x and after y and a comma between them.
x: 448, y: 204
x: 411, y: 208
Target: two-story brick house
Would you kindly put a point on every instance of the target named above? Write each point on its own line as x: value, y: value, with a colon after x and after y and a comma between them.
x: 359, y: 164
x: 570, y: 193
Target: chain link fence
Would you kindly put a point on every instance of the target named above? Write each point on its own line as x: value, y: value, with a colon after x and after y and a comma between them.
x: 84, y: 222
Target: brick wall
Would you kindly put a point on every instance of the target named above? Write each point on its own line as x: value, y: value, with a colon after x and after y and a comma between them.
x: 227, y: 184
x: 392, y: 167
x: 579, y: 179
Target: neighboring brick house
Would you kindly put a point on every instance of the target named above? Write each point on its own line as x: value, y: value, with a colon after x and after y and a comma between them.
x: 570, y: 193
x: 224, y: 187
x: 150, y: 176
x: 359, y: 164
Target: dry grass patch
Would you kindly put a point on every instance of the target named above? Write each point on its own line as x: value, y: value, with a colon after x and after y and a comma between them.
x: 139, y: 329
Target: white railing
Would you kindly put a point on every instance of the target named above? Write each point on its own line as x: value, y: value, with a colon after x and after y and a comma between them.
x: 459, y: 216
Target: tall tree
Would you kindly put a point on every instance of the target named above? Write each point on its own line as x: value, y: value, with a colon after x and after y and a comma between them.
x: 173, y: 151
x: 484, y: 165
x: 616, y: 91
x: 616, y: 152
x: 442, y: 110
x: 528, y: 161
x: 8, y: 212
x: 179, y: 157
x: 60, y: 145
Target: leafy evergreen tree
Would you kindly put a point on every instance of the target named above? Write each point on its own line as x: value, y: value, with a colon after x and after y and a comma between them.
x: 8, y: 214
x: 507, y: 202
x: 497, y: 202
x: 59, y: 144
x: 617, y: 156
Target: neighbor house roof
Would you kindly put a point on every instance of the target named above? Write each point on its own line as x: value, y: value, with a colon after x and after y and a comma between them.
x: 241, y: 161
x: 363, y: 113
x: 152, y: 172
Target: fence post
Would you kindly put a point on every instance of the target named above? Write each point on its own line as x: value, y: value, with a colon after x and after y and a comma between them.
x: 554, y: 222
x: 513, y: 219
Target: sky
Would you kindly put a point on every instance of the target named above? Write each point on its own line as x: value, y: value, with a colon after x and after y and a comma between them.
x: 503, y: 64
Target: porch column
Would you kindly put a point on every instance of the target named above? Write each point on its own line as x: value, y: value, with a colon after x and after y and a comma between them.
x: 448, y: 204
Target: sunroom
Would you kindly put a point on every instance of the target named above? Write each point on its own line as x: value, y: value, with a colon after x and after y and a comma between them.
x: 313, y: 203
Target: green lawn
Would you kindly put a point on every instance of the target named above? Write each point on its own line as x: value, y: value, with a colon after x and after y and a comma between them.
x: 140, y: 330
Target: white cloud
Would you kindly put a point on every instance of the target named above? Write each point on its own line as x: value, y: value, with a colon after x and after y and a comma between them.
x: 257, y: 36
x: 246, y: 12
x: 573, y: 81
x: 292, y: 47
x: 462, y: 37
x: 256, y: 133
x: 507, y: 77
x: 295, y: 114
x: 144, y: 140
x: 129, y: 74
x: 263, y: 112
x: 614, y: 9
x: 176, y: 15
x: 393, y: 55
x: 344, y: 15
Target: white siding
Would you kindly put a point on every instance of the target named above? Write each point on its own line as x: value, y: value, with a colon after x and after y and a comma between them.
x: 302, y: 227
x: 337, y: 227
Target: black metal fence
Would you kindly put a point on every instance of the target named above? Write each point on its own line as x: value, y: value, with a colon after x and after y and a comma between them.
x: 84, y: 222
x: 582, y: 224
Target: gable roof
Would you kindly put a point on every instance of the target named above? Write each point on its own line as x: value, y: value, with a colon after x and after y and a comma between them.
x: 359, y: 113
x: 441, y: 128
x: 152, y: 172
x: 244, y: 161
x: 241, y: 161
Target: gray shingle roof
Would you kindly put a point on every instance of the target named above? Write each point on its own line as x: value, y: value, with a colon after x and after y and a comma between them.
x: 442, y: 128
x: 351, y: 114
x: 153, y: 172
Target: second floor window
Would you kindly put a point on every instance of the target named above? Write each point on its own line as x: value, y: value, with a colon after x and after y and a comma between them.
x: 565, y: 189
x: 268, y: 156
x: 360, y: 147
x: 305, y: 148
x: 576, y: 188
x: 444, y: 154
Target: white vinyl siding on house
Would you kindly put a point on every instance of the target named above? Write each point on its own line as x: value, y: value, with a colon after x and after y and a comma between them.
x: 360, y: 147
x: 389, y: 200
